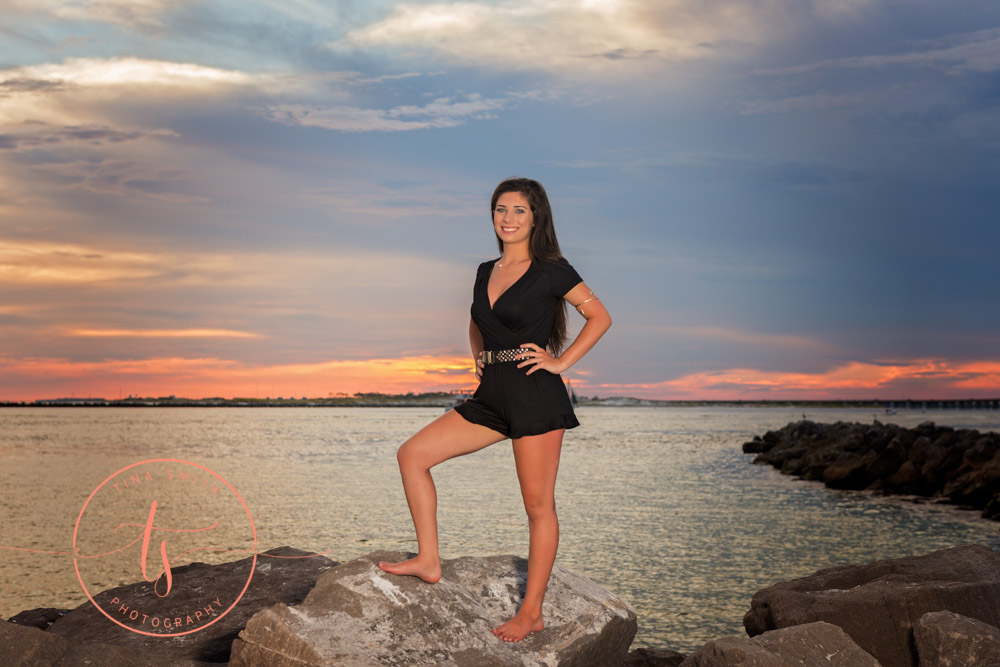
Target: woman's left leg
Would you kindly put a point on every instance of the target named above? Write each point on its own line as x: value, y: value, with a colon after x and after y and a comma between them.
x: 537, y: 461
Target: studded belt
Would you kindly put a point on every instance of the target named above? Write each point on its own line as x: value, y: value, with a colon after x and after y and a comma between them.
x: 500, y: 356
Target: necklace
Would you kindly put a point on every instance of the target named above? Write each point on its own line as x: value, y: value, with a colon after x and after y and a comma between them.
x: 500, y: 263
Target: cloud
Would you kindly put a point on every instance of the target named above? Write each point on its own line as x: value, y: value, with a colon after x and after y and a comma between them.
x: 124, y: 177
x: 367, y: 81
x: 161, y: 333
x: 121, y: 71
x: 442, y: 112
x: 38, y: 262
x: 558, y: 34
x: 130, y: 13
x: 383, y: 202
x: 104, y: 302
x: 841, y: 9
x: 921, y: 379
x: 728, y: 335
x: 31, y: 135
x: 975, y: 52
x: 82, y: 98
x: 25, y: 262
x: 812, y: 102
x: 95, y: 91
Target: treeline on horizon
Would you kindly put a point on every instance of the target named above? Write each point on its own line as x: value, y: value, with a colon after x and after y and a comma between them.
x: 443, y: 399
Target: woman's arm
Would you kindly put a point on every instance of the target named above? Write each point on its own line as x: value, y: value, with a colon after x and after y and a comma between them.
x: 598, y: 322
x: 476, y: 342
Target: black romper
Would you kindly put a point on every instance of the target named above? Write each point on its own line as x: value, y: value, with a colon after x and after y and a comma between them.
x: 508, y: 400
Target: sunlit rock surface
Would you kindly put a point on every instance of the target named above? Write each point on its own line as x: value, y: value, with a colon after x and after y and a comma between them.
x: 359, y: 615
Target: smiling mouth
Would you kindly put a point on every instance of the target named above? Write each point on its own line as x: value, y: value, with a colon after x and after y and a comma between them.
x: 509, y: 230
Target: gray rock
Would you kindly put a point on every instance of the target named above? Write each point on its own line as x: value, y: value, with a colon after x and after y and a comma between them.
x: 26, y: 646
x: 286, y: 580
x: 816, y: 644
x: 946, y: 639
x: 359, y: 615
x: 877, y: 604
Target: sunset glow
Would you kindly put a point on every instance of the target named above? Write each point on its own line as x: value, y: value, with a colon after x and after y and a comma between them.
x: 199, y: 378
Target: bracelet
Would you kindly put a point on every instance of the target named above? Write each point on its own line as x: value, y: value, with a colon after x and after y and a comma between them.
x: 580, y: 305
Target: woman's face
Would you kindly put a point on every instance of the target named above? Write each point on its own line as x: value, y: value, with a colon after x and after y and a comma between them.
x: 512, y: 217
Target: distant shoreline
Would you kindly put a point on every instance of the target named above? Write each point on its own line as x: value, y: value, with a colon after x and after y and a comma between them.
x: 444, y: 399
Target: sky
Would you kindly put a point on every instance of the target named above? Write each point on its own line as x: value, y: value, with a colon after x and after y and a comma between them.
x: 773, y: 198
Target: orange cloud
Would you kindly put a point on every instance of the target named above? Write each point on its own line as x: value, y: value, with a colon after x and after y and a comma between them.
x: 162, y: 333
x: 915, y: 378
x: 30, y: 379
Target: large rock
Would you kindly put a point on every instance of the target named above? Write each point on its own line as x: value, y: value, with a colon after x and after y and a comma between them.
x: 26, y: 646
x: 282, y: 575
x: 946, y: 639
x: 359, y: 615
x: 878, y: 604
x: 816, y: 644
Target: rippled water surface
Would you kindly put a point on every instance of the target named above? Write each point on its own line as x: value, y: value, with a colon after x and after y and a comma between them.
x: 658, y: 504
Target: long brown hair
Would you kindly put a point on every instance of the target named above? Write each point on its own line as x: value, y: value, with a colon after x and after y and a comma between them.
x: 542, y: 244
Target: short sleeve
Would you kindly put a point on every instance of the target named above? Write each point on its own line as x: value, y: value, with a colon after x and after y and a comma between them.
x: 563, y: 278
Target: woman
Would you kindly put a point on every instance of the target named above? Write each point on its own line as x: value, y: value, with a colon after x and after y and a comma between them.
x: 517, y: 332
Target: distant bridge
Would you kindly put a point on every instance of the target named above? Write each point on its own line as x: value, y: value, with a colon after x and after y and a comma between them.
x: 968, y: 404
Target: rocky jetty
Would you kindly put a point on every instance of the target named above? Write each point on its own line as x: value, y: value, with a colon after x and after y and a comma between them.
x: 960, y: 466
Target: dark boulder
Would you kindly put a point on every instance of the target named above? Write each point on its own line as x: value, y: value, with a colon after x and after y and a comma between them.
x: 849, y: 471
x: 27, y: 646
x: 281, y: 575
x: 877, y: 604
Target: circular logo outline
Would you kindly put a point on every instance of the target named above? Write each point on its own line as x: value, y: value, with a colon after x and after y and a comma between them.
x: 76, y: 560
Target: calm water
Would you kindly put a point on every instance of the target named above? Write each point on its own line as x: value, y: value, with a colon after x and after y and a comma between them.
x: 659, y: 505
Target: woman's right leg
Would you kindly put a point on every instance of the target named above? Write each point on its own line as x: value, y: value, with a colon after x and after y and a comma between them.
x: 446, y: 437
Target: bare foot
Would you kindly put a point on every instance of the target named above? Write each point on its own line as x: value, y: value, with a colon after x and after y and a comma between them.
x: 428, y: 571
x: 519, y: 627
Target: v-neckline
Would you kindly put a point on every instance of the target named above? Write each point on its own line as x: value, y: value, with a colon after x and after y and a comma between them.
x: 509, y: 287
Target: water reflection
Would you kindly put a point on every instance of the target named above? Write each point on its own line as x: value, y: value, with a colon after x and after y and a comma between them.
x: 659, y: 505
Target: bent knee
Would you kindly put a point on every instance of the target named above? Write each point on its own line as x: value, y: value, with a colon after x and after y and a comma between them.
x: 405, y: 455
x: 410, y: 456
